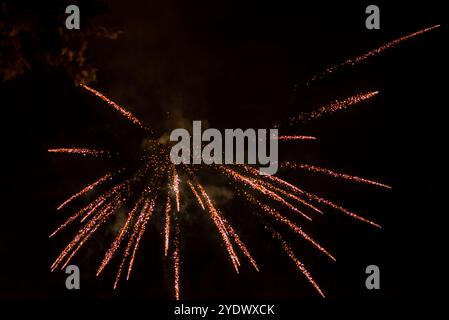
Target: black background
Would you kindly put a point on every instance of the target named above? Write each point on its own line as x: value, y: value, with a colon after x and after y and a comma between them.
x: 241, y: 64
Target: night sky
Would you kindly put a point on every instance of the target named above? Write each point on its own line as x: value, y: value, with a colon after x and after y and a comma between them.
x: 233, y: 64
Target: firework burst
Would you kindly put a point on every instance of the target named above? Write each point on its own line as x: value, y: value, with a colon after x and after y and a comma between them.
x: 158, y: 180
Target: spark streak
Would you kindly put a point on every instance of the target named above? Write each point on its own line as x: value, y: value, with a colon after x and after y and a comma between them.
x: 288, y: 194
x: 286, y: 138
x: 312, y: 196
x: 131, y: 240
x: 217, y: 219
x: 332, y: 107
x: 81, y: 151
x: 372, y: 53
x: 84, y: 234
x: 298, y: 263
x: 240, y: 244
x: 128, y: 115
x: 143, y: 225
x: 333, y: 174
x: 197, y: 196
x: 253, y: 183
x: 89, y: 208
x: 167, y: 224
x: 86, y: 189
x: 175, y: 187
x: 276, y: 215
x: 176, y: 264
x: 322, y: 200
x: 118, y: 240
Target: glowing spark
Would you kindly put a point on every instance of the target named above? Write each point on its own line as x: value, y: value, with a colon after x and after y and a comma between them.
x: 253, y: 183
x: 128, y: 115
x: 321, y: 200
x: 197, y: 196
x: 176, y: 264
x: 240, y: 244
x: 312, y: 196
x: 285, y: 138
x: 276, y: 215
x: 289, y: 195
x: 167, y: 224
x: 228, y: 228
x: 118, y: 240
x: 85, y: 233
x: 175, y: 187
x: 271, y: 186
x: 340, y: 208
x: 297, y: 262
x: 89, y: 233
x: 143, y: 225
x: 333, y: 107
x: 372, y: 53
x: 85, y: 190
x: 90, y: 208
x: 81, y: 151
x: 218, y: 221
x: 333, y: 174
x: 131, y: 240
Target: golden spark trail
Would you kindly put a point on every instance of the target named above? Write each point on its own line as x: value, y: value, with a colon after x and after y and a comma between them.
x: 131, y: 240
x: 128, y: 115
x: 118, y: 240
x: 280, y: 190
x: 287, y: 138
x: 321, y: 200
x: 253, y: 183
x: 271, y: 186
x: 90, y: 232
x: 289, y: 195
x: 334, y: 174
x: 218, y: 221
x: 85, y: 190
x: 372, y: 53
x: 167, y: 224
x: 105, y: 213
x: 333, y: 107
x: 239, y: 243
x: 297, y: 262
x: 312, y: 196
x: 84, y: 233
x: 114, y: 191
x: 176, y: 263
x: 140, y: 226
x: 175, y: 187
x: 278, y: 217
x: 340, y: 208
x: 143, y: 225
x: 81, y: 151
x: 197, y: 196
x: 89, y: 208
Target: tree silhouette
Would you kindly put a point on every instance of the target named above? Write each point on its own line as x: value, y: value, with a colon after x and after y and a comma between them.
x: 34, y: 34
